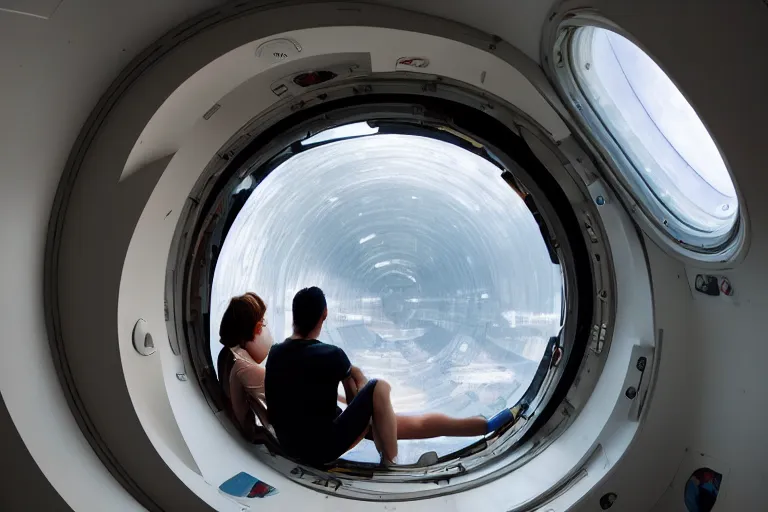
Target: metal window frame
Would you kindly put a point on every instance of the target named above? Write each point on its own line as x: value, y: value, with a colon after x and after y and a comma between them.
x: 267, y: 140
x: 656, y: 220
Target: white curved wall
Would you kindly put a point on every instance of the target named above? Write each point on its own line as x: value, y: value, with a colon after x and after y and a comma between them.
x: 716, y: 55
x: 55, y: 70
x: 717, y: 361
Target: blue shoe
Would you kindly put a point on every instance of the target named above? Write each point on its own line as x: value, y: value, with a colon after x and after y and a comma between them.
x: 504, y: 417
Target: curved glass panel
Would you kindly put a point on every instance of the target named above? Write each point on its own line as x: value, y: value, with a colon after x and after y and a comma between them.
x: 436, y: 274
x: 676, y: 162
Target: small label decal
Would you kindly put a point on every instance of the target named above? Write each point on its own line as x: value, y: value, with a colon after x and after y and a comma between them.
x: 243, y: 485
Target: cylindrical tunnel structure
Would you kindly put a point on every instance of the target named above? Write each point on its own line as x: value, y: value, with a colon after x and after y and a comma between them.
x: 638, y: 374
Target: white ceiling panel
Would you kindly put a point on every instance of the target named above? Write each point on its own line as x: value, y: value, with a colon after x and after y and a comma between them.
x: 38, y: 8
x: 518, y: 22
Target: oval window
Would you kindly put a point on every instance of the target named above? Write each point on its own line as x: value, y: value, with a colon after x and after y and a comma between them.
x: 669, y: 161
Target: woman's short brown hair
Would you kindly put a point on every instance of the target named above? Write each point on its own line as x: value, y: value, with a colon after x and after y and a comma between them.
x: 238, y: 324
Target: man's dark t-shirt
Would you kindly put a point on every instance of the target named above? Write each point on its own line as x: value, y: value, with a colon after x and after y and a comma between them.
x: 301, y: 384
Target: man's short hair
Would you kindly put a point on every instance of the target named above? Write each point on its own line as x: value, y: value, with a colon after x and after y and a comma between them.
x: 308, y: 307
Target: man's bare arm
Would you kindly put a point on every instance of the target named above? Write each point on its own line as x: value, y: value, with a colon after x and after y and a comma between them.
x: 360, y: 379
x: 354, y: 383
x: 350, y: 388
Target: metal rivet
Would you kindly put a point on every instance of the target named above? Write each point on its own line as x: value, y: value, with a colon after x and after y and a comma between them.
x: 600, y: 200
x: 181, y: 376
x: 631, y: 393
x: 641, y: 364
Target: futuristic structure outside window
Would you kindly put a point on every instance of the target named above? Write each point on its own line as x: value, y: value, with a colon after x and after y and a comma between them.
x: 675, y: 169
x: 436, y: 274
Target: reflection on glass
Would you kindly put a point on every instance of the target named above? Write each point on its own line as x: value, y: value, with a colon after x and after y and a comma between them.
x: 658, y: 130
x: 341, y: 132
x: 436, y: 274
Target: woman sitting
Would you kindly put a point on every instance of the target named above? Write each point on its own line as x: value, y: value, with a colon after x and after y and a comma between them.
x: 243, y: 334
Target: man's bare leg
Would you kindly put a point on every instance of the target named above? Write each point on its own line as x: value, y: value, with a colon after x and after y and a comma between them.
x: 375, y: 436
x: 425, y: 426
x: 384, y: 421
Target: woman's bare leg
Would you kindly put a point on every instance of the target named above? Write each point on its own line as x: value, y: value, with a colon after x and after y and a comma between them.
x: 425, y: 426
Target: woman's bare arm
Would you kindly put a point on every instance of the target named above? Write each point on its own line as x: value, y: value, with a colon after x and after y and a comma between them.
x: 251, y: 377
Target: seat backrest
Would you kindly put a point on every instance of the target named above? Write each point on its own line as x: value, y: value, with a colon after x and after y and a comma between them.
x: 224, y: 364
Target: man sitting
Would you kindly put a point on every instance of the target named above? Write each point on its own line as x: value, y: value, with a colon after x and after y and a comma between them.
x: 302, y: 379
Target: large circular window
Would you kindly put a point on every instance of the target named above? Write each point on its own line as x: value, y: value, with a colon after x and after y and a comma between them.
x: 660, y: 147
x: 456, y: 265
x: 436, y: 273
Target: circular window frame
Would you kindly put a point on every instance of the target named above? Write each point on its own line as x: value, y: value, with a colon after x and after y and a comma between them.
x: 588, y: 279
x: 611, y: 159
